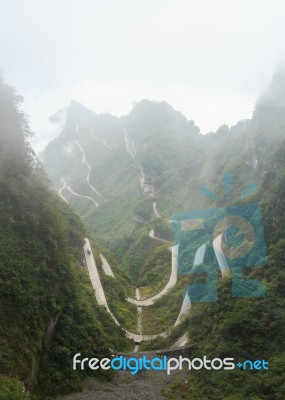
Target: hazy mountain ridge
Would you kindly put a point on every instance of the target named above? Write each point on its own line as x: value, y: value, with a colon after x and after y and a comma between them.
x: 156, y: 145
x: 113, y: 160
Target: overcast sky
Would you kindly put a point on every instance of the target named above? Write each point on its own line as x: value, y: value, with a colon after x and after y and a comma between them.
x: 209, y: 59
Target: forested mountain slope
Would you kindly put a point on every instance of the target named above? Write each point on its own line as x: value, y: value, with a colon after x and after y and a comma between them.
x: 154, y: 153
x: 48, y: 311
x: 152, y: 163
x: 246, y: 328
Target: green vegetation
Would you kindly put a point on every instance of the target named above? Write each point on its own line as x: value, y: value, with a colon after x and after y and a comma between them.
x: 11, y: 389
x: 126, y: 313
x: 156, y: 271
x: 162, y: 229
x: 144, y: 211
x: 162, y: 315
x: 249, y: 328
x: 143, y: 253
x: 176, y: 161
x: 48, y: 311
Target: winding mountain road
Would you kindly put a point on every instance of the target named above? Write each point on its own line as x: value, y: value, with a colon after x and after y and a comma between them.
x: 152, y: 235
x: 84, y: 161
x: 155, y: 210
x: 223, y: 264
x: 64, y: 186
x: 95, y: 278
x: 138, y: 337
x: 181, y: 342
x: 185, y: 308
x: 138, y: 297
x: 106, y: 267
x: 138, y: 301
x: 82, y: 195
x: 101, y: 298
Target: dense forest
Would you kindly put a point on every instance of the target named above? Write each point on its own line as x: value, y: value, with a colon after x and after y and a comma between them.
x: 246, y: 328
x: 48, y: 311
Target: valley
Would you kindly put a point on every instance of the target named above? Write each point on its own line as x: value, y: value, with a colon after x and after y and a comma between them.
x: 142, y: 235
x: 154, y: 175
x: 145, y: 221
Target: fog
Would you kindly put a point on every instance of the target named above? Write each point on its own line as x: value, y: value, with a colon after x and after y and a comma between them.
x: 208, y: 59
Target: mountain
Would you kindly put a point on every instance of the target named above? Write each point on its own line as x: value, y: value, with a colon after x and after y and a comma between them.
x: 48, y: 311
x: 130, y: 178
x: 153, y: 153
x: 246, y: 328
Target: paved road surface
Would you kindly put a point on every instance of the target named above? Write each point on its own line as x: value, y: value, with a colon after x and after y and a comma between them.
x: 106, y: 267
x: 84, y: 161
x: 185, y: 308
x: 95, y: 279
x: 217, y: 245
x: 152, y: 235
x: 64, y: 186
x: 200, y: 254
x: 82, y: 195
x: 138, y: 297
x: 155, y: 210
x: 182, y: 341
